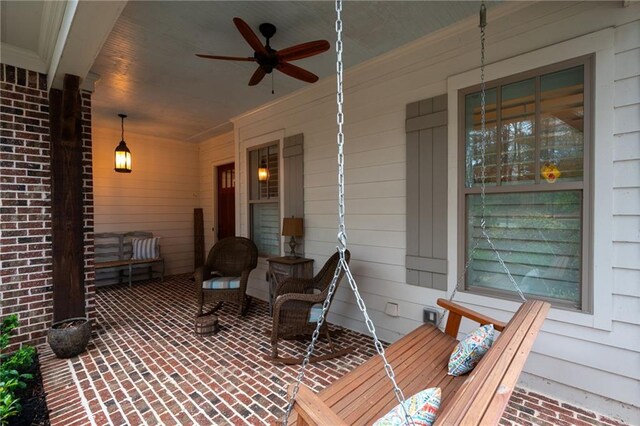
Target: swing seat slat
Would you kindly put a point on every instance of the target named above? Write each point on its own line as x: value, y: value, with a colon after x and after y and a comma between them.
x: 420, y: 361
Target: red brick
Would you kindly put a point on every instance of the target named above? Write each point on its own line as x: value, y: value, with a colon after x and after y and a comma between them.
x: 577, y: 409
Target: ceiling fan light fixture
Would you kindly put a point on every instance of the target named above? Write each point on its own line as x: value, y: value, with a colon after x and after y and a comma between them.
x: 122, y: 153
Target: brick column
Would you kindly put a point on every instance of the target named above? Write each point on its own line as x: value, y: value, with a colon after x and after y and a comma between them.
x: 25, y: 203
x: 87, y: 181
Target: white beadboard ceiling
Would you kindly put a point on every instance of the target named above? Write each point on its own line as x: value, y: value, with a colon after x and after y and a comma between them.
x: 149, y: 70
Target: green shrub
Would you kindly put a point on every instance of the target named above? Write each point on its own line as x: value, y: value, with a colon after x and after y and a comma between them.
x: 12, y: 370
x: 9, y: 404
x: 6, y: 327
x: 21, y: 360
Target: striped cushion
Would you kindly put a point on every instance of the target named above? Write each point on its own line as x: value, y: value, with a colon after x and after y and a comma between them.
x: 221, y: 283
x: 314, y: 313
x: 145, y: 248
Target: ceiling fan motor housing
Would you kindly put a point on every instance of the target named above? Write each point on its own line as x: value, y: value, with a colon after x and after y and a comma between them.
x: 267, y: 62
x: 270, y: 61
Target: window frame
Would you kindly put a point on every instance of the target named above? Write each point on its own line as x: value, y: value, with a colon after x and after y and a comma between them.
x: 277, y: 142
x: 586, y: 185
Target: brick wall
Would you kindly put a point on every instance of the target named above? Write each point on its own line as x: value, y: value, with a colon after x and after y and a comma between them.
x: 25, y: 203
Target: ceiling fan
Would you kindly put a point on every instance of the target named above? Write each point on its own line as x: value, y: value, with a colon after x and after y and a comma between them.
x: 269, y: 59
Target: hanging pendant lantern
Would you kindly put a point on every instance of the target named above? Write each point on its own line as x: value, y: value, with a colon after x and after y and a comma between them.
x: 122, y: 154
x: 263, y: 172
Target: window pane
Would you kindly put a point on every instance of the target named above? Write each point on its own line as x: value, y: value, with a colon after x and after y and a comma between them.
x: 562, y: 122
x: 266, y: 157
x: 265, y: 228
x: 538, y: 235
x: 269, y: 188
x: 473, y: 131
x: 518, y: 143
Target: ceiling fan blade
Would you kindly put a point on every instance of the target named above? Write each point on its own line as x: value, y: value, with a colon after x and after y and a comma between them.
x: 226, y: 58
x: 257, y: 76
x: 250, y: 36
x: 303, y: 50
x: 297, y: 72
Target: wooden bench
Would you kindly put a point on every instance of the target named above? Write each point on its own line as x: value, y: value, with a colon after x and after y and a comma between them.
x: 420, y: 360
x: 113, y: 252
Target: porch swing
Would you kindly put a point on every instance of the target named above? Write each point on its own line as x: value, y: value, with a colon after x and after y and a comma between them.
x: 420, y: 358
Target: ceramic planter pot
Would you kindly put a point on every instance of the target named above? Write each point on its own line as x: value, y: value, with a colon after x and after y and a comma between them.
x: 69, y: 338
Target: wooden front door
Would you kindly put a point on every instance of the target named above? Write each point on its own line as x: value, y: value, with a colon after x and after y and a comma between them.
x: 226, y: 201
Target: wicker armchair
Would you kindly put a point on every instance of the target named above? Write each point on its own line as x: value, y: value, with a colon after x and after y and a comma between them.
x: 297, y: 305
x: 225, y: 274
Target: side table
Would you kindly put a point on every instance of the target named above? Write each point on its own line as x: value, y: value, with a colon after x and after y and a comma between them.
x: 284, y: 267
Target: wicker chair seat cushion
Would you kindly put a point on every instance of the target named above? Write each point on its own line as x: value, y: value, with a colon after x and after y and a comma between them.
x: 314, y: 312
x: 221, y: 283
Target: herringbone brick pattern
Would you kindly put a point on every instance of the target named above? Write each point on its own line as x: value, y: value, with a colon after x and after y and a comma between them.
x: 145, y: 365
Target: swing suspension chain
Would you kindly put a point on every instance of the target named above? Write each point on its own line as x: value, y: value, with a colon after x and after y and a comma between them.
x: 483, y: 151
x: 342, y: 247
x: 483, y: 173
x: 342, y: 235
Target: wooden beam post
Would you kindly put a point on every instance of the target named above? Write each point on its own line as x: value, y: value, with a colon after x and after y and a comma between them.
x: 198, y: 242
x: 67, y: 220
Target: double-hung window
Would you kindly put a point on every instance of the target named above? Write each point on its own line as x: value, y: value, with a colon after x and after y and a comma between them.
x: 264, y: 202
x: 536, y: 167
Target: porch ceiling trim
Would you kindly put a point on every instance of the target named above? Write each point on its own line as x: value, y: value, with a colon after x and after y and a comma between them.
x: 85, y: 28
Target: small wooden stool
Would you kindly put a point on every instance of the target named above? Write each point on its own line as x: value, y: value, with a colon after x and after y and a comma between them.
x: 206, y: 324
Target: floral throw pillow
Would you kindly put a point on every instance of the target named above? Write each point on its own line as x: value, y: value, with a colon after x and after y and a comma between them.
x: 470, y: 350
x: 422, y: 407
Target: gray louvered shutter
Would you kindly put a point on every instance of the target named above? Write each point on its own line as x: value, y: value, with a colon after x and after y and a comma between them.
x: 426, y: 128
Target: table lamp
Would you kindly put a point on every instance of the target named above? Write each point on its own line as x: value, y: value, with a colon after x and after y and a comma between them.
x: 292, y: 227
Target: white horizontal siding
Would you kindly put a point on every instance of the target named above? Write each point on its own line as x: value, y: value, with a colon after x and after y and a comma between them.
x: 626, y: 193
x: 572, y: 353
x: 157, y: 196
x: 625, y: 282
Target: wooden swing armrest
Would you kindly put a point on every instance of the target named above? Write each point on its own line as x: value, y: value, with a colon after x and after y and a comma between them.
x: 312, y: 410
x: 456, y: 312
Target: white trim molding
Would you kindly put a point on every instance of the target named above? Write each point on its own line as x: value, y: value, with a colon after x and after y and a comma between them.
x: 22, y: 58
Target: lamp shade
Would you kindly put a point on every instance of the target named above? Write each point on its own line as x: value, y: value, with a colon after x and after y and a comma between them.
x: 292, y: 227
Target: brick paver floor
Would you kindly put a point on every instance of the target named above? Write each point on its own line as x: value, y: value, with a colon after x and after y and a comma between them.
x: 144, y: 365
